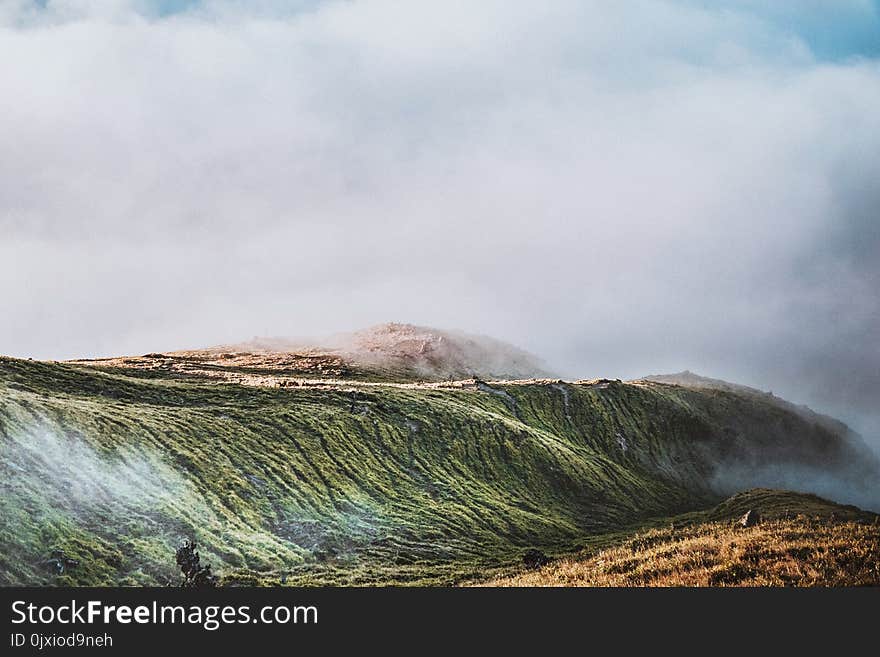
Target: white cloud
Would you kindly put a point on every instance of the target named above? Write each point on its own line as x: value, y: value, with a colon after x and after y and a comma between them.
x: 623, y: 187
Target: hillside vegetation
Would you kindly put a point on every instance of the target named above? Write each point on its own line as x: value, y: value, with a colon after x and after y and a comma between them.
x: 800, y: 541
x: 299, y: 477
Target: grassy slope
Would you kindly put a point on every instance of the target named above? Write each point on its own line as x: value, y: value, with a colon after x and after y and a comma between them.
x: 342, y: 484
x: 801, y: 541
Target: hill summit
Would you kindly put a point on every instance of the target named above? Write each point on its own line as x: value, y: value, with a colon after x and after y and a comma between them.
x: 437, y: 354
x: 392, y: 351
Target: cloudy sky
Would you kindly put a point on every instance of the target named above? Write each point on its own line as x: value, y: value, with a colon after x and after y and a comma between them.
x: 622, y: 187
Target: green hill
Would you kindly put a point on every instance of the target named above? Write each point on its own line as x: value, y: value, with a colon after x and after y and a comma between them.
x: 287, y: 477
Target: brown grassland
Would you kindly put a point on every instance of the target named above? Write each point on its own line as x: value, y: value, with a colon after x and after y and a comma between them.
x: 799, y: 551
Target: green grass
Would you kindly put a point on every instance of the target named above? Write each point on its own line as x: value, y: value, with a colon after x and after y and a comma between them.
x: 346, y: 485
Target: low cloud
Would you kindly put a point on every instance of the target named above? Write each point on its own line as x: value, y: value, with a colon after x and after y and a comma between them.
x: 850, y: 483
x: 622, y: 189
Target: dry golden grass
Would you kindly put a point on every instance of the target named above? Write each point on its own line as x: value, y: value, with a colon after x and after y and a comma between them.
x: 800, y: 551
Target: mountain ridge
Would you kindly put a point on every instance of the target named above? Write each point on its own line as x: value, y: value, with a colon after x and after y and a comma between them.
x: 287, y: 472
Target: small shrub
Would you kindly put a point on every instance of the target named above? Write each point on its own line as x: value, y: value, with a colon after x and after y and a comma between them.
x: 194, y: 574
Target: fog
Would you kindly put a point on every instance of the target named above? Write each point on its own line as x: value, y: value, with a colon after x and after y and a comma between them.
x: 90, y: 485
x: 842, y: 485
x: 63, y: 481
x: 621, y: 188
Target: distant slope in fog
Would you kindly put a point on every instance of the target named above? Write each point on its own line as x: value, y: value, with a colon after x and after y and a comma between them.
x: 688, y: 379
x: 765, y: 468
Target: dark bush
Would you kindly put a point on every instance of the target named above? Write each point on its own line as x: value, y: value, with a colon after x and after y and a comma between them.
x: 194, y: 574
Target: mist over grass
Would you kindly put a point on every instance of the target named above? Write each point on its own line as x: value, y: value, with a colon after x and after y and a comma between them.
x: 61, y: 490
x: 87, y: 483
